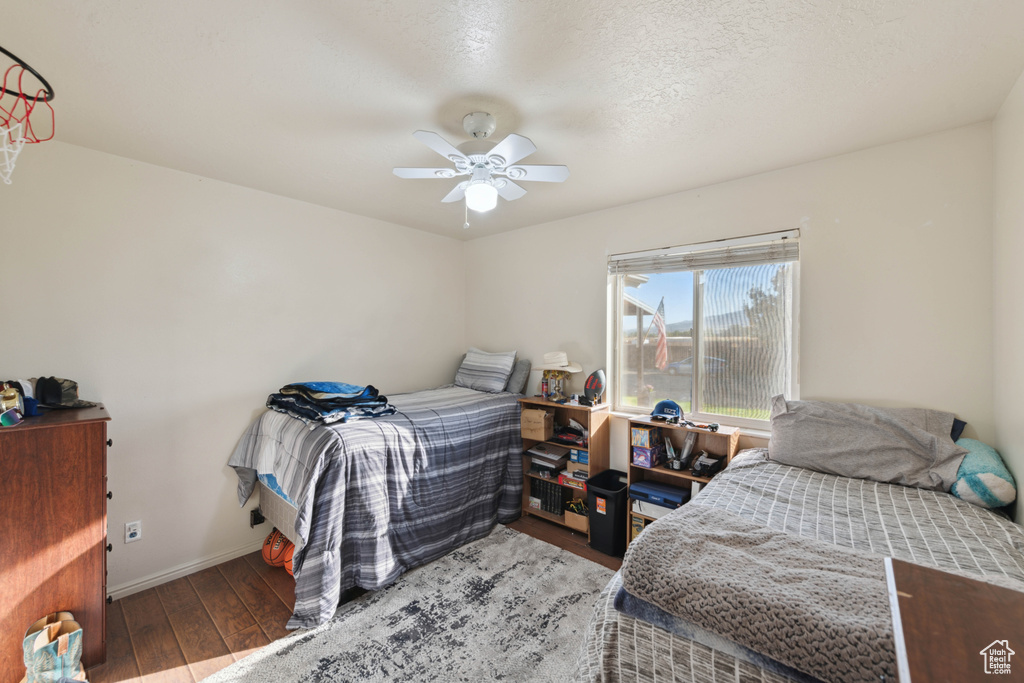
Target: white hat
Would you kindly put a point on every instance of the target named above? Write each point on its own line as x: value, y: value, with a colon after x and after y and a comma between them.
x: 558, y: 360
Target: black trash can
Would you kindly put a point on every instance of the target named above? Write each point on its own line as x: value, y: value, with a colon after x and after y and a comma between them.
x: 606, y: 498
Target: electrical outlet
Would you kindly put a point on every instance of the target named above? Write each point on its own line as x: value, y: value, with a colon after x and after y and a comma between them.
x: 132, y: 531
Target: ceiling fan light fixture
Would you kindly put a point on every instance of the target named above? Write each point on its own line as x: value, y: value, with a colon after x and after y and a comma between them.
x: 488, y: 165
x: 481, y: 196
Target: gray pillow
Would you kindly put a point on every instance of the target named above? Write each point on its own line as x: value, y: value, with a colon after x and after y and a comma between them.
x: 520, y: 373
x: 485, y: 371
x: 907, y: 446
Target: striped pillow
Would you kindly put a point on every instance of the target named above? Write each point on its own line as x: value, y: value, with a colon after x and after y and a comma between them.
x: 485, y: 371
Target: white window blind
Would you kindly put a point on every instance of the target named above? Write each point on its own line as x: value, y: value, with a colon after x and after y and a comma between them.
x: 779, y: 247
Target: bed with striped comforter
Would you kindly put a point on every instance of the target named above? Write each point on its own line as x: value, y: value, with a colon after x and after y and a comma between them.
x: 377, y: 497
x: 924, y: 527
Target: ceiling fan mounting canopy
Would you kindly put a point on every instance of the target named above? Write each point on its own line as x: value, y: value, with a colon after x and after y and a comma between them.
x: 479, y: 124
x: 492, y: 170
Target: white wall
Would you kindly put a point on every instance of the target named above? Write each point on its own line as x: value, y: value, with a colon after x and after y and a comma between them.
x: 896, y: 256
x: 1008, y: 321
x: 182, y: 302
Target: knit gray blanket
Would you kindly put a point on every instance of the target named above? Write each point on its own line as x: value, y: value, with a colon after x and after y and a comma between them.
x: 813, y: 606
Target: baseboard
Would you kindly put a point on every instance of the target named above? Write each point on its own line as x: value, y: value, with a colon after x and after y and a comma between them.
x: 126, y: 589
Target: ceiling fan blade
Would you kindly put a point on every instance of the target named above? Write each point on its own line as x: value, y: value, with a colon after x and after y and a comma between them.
x: 425, y: 172
x: 538, y: 172
x: 508, y: 190
x: 457, y: 193
x: 440, y: 145
x: 510, y: 150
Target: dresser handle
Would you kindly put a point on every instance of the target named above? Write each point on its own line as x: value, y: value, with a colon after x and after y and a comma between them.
x: 110, y: 442
x: 110, y: 495
x: 110, y: 546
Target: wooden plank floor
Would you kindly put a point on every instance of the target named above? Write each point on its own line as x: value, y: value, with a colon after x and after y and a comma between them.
x: 565, y: 538
x: 192, y: 627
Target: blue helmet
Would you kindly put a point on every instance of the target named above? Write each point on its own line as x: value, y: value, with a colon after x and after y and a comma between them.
x: 668, y: 409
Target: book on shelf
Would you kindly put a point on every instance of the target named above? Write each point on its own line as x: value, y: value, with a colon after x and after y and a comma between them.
x: 566, y: 479
x: 547, y: 496
x: 556, y: 465
x: 637, y: 526
x: 556, y: 498
x: 544, y: 471
x: 548, y: 451
x: 541, y: 492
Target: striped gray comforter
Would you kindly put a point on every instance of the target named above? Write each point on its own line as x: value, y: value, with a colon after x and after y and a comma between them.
x: 377, y: 497
x: 924, y: 527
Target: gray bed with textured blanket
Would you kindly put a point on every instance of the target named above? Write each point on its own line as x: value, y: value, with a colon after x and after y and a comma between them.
x: 714, y: 606
x: 377, y: 497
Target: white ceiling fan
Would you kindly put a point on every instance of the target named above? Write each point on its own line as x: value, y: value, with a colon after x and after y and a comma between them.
x: 491, y: 169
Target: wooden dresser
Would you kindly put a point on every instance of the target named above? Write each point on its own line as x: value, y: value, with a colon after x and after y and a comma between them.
x: 53, y: 508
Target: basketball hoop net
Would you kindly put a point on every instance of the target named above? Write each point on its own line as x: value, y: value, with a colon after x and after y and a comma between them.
x: 10, y: 148
x: 17, y: 125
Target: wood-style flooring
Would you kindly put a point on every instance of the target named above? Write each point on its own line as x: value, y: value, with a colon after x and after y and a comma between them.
x: 192, y: 627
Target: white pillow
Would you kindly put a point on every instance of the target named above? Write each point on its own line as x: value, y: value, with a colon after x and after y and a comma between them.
x: 485, y: 371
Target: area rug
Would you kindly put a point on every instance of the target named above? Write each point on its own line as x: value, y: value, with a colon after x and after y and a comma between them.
x: 505, y: 608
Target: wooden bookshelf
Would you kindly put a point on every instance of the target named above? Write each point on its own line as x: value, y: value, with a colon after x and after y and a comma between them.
x: 723, y: 442
x: 595, y: 420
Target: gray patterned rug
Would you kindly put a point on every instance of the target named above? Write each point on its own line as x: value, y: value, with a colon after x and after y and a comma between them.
x: 505, y: 608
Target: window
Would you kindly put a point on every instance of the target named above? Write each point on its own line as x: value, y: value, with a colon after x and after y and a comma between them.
x: 711, y: 326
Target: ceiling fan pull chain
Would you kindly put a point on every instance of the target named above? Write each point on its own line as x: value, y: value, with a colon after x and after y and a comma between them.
x: 465, y: 207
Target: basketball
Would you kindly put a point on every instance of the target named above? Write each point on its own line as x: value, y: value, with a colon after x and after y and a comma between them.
x: 288, y: 558
x: 274, y: 548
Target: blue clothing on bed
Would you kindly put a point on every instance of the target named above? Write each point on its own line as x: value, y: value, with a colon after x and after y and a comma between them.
x: 330, y: 390
x: 313, y: 413
x: 329, y: 402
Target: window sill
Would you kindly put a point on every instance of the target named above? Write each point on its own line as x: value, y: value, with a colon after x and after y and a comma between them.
x: 744, y: 431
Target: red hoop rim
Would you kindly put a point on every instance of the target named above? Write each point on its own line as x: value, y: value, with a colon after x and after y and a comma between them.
x: 20, y: 109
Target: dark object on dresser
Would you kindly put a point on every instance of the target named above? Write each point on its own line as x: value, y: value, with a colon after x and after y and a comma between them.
x: 54, y: 509
x: 56, y: 392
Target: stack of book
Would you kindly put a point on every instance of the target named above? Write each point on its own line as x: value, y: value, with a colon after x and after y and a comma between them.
x: 547, y: 460
x: 547, y: 496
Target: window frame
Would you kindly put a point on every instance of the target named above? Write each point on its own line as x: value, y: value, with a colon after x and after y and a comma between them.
x: 616, y: 292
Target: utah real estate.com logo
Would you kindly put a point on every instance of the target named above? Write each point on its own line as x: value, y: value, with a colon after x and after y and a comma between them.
x: 997, y: 657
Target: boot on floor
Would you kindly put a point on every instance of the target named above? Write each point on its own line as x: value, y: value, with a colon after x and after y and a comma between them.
x: 30, y: 634
x: 53, y: 650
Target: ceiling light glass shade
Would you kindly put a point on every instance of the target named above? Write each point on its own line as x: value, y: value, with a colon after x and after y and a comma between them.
x: 481, y: 196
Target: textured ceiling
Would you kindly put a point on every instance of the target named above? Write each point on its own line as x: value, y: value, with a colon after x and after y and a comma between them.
x: 318, y: 100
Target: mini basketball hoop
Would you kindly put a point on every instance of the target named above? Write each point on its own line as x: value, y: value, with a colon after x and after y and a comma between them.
x: 17, y: 123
